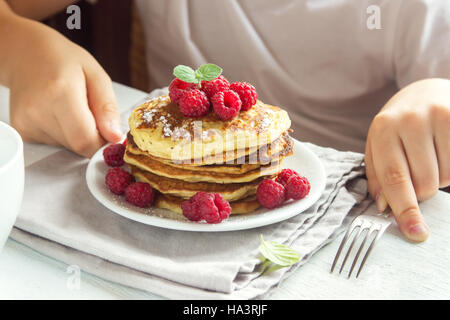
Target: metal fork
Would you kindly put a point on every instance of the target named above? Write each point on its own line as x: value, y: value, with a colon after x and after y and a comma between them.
x: 374, y: 224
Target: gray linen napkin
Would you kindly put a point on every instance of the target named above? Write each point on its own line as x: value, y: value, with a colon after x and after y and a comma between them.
x: 60, y: 218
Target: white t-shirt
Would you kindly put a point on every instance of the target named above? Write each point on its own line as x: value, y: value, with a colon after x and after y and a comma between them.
x: 332, y: 64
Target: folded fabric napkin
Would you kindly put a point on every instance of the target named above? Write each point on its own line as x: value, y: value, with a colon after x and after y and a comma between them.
x: 60, y: 218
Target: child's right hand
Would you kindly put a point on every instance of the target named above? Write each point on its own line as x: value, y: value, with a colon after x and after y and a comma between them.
x: 59, y: 94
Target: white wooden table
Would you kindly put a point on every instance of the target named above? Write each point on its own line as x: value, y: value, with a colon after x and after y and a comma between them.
x: 396, y: 269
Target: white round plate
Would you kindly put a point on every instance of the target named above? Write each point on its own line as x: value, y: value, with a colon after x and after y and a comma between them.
x: 303, y: 161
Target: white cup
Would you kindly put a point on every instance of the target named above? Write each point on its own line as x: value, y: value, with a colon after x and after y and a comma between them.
x: 12, y: 174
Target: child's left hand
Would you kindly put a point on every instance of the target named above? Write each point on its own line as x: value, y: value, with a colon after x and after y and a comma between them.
x: 408, y: 152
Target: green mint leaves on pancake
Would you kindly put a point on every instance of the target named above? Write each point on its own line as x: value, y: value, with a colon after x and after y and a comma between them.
x: 185, y: 73
x: 206, y: 72
x: 278, y: 253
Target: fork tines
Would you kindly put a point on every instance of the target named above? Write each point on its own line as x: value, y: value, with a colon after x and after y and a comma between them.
x: 373, y: 227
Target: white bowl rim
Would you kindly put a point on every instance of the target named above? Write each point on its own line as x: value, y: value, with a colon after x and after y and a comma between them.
x: 19, y: 150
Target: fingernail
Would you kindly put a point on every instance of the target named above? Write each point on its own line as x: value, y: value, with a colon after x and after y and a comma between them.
x: 418, y: 232
x: 117, y: 130
x: 381, y: 202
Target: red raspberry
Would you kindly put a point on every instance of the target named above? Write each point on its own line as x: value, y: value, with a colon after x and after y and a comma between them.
x: 217, y: 85
x: 117, y: 180
x: 113, y: 155
x: 246, y: 92
x: 208, y: 206
x: 270, y: 194
x: 284, y: 175
x: 226, y: 104
x: 191, y: 210
x: 124, y: 143
x: 297, y: 187
x: 177, y: 88
x: 194, y: 104
x: 140, y: 194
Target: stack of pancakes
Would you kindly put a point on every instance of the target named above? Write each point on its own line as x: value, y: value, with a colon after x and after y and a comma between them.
x: 180, y: 156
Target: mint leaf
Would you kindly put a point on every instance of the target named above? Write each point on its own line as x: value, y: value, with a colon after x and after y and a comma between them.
x: 278, y: 253
x: 185, y: 73
x: 208, y: 72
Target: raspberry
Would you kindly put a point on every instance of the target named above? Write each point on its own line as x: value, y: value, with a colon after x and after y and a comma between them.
x: 113, y: 155
x: 140, y: 194
x: 246, y: 92
x: 117, y: 180
x: 210, y: 88
x: 177, y: 88
x: 190, y: 210
x: 297, y: 187
x: 194, y: 104
x: 270, y: 194
x: 226, y: 104
x: 208, y: 206
x: 284, y: 175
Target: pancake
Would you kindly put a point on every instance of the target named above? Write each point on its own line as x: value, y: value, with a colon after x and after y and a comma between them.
x: 280, y: 148
x: 159, y: 128
x: 242, y: 206
x: 185, y: 190
x: 240, y: 168
x: 161, y: 169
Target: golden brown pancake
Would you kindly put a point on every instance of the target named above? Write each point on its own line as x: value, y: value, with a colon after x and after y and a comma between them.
x: 159, y: 168
x: 279, y: 149
x: 159, y: 128
x: 185, y: 190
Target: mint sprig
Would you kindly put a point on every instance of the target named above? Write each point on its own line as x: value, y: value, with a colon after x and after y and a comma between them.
x: 278, y: 253
x: 206, y: 72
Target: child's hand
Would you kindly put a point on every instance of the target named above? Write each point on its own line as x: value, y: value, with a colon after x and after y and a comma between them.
x: 59, y: 94
x: 408, y: 152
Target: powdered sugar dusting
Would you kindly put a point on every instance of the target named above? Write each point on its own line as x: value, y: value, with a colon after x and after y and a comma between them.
x: 147, y: 116
x: 265, y: 122
x: 160, y: 112
x: 153, y: 116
